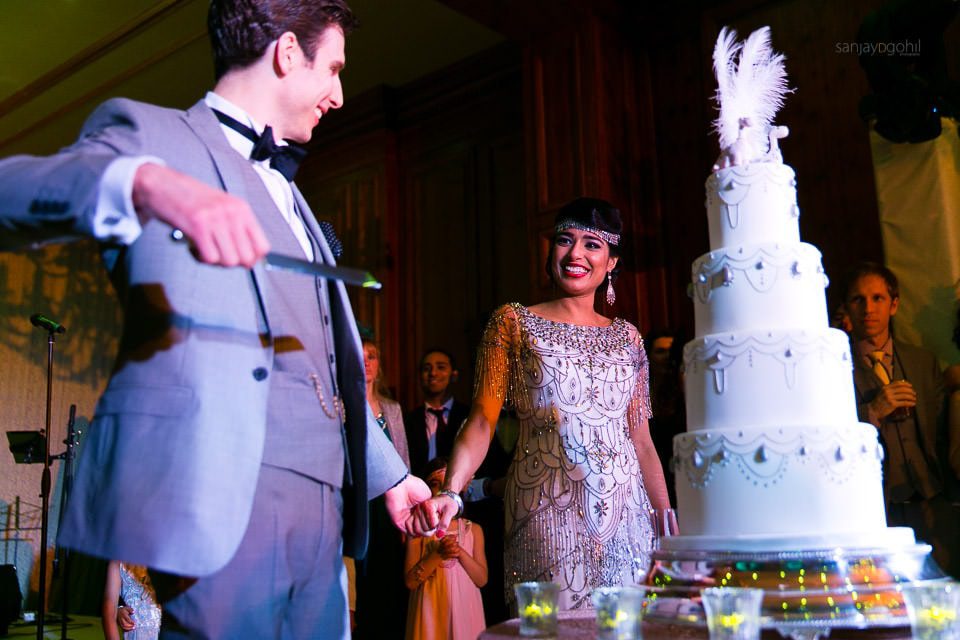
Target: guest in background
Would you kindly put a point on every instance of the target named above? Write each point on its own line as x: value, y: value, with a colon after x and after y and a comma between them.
x: 388, y: 413
x: 432, y: 426
x: 666, y: 397
x: 139, y: 617
x: 899, y: 389
x: 445, y: 575
x: 952, y: 383
x: 381, y: 596
x: 841, y: 319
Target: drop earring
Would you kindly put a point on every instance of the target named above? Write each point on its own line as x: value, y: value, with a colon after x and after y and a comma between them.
x: 611, y: 294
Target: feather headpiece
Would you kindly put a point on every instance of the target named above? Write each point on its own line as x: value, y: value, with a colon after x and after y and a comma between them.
x: 750, y: 90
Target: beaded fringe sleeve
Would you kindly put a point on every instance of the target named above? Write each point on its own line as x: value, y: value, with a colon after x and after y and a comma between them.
x: 499, y: 375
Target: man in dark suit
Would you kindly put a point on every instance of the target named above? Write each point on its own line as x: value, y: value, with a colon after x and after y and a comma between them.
x: 432, y: 427
x: 899, y: 390
x: 236, y: 411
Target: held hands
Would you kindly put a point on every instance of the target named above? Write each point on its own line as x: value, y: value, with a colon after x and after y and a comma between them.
x: 891, y: 397
x: 404, y: 503
x: 222, y: 228
x: 436, y: 513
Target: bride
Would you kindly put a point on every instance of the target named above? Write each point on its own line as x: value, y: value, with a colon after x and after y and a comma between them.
x: 584, y: 474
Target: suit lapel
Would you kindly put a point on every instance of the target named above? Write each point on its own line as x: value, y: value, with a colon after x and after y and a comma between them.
x: 339, y: 302
x: 231, y: 168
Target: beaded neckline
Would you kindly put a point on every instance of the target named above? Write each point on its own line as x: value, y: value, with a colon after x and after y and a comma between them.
x: 613, y: 337
x: 530, y: 314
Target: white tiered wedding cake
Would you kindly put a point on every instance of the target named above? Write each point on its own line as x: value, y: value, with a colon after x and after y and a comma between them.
x: 774, y: 457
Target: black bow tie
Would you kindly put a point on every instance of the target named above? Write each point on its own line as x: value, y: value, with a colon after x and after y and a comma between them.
x: 284, y: 158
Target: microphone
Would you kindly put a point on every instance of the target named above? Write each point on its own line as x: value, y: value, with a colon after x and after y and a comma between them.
x: 43, y: 322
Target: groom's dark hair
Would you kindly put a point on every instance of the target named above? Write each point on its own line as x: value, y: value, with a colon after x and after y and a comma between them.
x: 241, y: 30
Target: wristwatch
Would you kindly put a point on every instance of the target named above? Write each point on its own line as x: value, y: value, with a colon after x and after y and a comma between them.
x: 453, y: 495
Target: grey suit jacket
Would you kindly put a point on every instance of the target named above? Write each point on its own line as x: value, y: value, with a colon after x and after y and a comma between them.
x: 167, y: 473
x: 921, y: 369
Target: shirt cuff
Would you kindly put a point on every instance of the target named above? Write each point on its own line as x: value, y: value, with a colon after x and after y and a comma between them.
x: 115, y: 219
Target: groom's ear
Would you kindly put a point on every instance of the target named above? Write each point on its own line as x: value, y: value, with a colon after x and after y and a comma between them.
x: 286, y: 52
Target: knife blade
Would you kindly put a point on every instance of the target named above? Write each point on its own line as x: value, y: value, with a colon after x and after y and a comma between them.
x: 347, y: 275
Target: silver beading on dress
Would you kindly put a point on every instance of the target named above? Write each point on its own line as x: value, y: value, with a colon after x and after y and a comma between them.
x: 139, y: 596
x: 576, y: 506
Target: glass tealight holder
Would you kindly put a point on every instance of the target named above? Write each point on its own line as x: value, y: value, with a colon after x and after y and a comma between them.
x: 619, y: 612
x: 537, y: 606
x: 934, y: 610
x: 732, y: 613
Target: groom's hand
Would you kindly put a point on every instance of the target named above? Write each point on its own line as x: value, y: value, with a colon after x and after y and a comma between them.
x: 222, y: 228
x: 403, y: 504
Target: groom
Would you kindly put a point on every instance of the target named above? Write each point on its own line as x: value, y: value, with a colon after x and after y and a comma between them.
x: 233, y: 442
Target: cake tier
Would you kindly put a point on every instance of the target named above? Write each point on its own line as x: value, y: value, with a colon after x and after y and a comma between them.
x: 770, y: 286
x: 738, y: 380
x: 753, y: 203
x: 780, y: 482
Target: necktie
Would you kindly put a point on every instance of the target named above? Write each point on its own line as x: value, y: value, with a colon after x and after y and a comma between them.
x: 441, y: 423
x: 876, y: 359
x: 284, y: 158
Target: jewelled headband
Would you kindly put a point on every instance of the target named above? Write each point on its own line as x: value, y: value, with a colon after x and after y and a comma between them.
x: 606, y: 236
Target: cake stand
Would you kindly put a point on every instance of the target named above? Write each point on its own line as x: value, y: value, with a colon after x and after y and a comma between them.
x: 807, y: 594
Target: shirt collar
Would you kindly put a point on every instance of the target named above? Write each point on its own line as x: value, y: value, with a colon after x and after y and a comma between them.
x: 864, y: 348
x: 446, y: 406
x: 240, y: 143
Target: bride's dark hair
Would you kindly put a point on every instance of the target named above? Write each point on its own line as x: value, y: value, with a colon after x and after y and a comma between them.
x: 591, y: 213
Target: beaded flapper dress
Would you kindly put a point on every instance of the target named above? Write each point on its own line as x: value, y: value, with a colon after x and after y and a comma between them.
x: 577, y: 512
x: 137, y: 593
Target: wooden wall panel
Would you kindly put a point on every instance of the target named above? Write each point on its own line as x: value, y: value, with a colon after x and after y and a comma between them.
x: 590, y: 132
x: 427, y: 191
x: 553, y: 93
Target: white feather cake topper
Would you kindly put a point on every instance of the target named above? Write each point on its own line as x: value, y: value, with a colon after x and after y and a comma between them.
x: 750, y: 91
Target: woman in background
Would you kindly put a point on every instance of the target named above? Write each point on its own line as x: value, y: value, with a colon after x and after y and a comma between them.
x: 381, y: 596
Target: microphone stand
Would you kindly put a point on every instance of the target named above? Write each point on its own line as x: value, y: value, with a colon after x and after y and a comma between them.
x: 45, y: 487
x: 52, y: 328
x: 67, y: 456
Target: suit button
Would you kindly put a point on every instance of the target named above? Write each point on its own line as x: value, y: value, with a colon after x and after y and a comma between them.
x: 260, y: 373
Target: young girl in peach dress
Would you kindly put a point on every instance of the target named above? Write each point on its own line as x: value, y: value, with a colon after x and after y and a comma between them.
x: 445, y: 576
